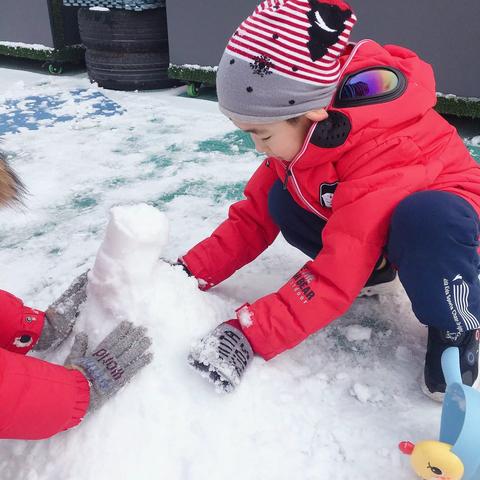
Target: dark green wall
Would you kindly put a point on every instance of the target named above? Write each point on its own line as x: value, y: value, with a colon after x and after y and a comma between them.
x: 444, y: 32
x: 26, y: 21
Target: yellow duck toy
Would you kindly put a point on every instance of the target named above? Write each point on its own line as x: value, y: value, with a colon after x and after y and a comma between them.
x: 433, y: 460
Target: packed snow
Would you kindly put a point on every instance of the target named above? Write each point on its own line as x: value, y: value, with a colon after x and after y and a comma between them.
x: 30, y: 46
x: 190, y: 66
x: 162, y: 169
x: 125, y: 264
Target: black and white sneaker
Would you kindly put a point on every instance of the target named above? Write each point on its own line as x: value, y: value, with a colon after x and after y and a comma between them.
x: 382, y: 281
x: 438, y: 341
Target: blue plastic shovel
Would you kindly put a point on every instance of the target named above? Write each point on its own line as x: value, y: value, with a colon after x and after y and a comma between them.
x: 456, y: 456
x: 460, y: 425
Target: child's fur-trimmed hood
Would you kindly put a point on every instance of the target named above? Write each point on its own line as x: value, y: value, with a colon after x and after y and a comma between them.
x: 11, y: 188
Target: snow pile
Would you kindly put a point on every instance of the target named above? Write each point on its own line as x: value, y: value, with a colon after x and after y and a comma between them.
x: 129, y: 281
x: 292, y: 415
x: 125, y: 265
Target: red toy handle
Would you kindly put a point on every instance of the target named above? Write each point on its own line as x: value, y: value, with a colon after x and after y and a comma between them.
x: 406, y: 447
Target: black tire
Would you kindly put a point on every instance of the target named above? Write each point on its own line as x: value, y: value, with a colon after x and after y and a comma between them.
x: 124, y: 30
x: 128, y: 71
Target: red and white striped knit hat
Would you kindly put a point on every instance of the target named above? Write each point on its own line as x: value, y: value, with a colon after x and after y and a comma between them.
x: 283, y: 60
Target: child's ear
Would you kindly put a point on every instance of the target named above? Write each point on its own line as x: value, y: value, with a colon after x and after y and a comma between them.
x: 317, y: 115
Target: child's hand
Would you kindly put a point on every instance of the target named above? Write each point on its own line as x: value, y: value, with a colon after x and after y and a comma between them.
x: 62, y: 314
x: 178, y: 263
x: 118, y: 358
x: 223, y: 355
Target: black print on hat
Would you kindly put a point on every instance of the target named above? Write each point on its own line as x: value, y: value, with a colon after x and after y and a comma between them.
x: 261, y: 65
x: 327, y: 24
x: 326, y: 194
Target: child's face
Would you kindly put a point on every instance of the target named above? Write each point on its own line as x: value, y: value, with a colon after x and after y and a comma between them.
x: 284, y: 139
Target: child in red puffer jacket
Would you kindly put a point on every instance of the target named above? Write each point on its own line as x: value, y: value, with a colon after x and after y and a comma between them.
x: 361, y: 174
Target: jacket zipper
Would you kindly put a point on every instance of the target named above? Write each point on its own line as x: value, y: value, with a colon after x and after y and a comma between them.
x: 299, y: 192
x: 288, y: 173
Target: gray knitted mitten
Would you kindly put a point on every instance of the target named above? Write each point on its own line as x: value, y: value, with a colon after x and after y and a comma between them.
x: 61, y: 315
x: 113, y: 363
x: 222, y: 356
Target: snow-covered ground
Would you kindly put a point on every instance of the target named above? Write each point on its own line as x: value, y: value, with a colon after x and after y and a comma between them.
x: 334, y: 408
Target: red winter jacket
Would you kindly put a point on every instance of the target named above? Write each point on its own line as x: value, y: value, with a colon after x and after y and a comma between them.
x: 37, y: 399
x: 375, y: 154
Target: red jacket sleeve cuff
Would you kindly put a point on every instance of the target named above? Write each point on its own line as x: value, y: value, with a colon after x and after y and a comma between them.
x: 82, y: 399
x: 20, y: 326
x: 193, y: 265
x: 39, y: 399
x: 253, y: 331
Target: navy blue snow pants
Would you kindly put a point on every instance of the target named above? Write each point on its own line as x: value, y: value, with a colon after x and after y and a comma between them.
x: 433, y: 242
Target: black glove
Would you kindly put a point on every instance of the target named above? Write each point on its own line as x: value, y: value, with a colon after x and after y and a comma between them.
x: 222, y: 356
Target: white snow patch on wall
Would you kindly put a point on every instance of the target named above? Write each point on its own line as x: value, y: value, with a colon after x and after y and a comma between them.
x: 31, y: 46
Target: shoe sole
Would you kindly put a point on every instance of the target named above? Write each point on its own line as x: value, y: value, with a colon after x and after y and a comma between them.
x: 436, y: 396
x: 439, y: 396
x: 387, y: 288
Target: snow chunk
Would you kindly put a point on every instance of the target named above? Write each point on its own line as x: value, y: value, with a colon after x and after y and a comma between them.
x: 99, y: 9
x: 361, y: 392
x: 357, y: 333
x: 203, y: 284
x: 366, y: 394
x: 245, y: 317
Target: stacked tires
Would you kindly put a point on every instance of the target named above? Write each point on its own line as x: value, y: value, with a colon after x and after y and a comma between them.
x: 126, y: 50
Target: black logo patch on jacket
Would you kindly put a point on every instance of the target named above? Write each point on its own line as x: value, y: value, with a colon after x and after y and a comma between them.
x: 327, y: 24
x: 326, y: 194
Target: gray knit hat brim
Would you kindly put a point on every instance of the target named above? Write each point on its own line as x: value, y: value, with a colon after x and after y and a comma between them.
x: 246, y: 95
